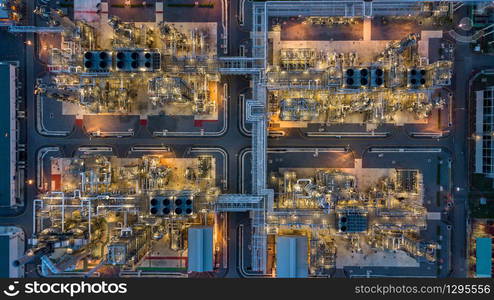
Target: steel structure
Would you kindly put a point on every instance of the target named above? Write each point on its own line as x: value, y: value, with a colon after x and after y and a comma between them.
x: 256, y: 109
x: 260, y: 201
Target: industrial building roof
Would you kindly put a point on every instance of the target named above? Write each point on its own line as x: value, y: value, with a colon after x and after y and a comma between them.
x: 484, y: 257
